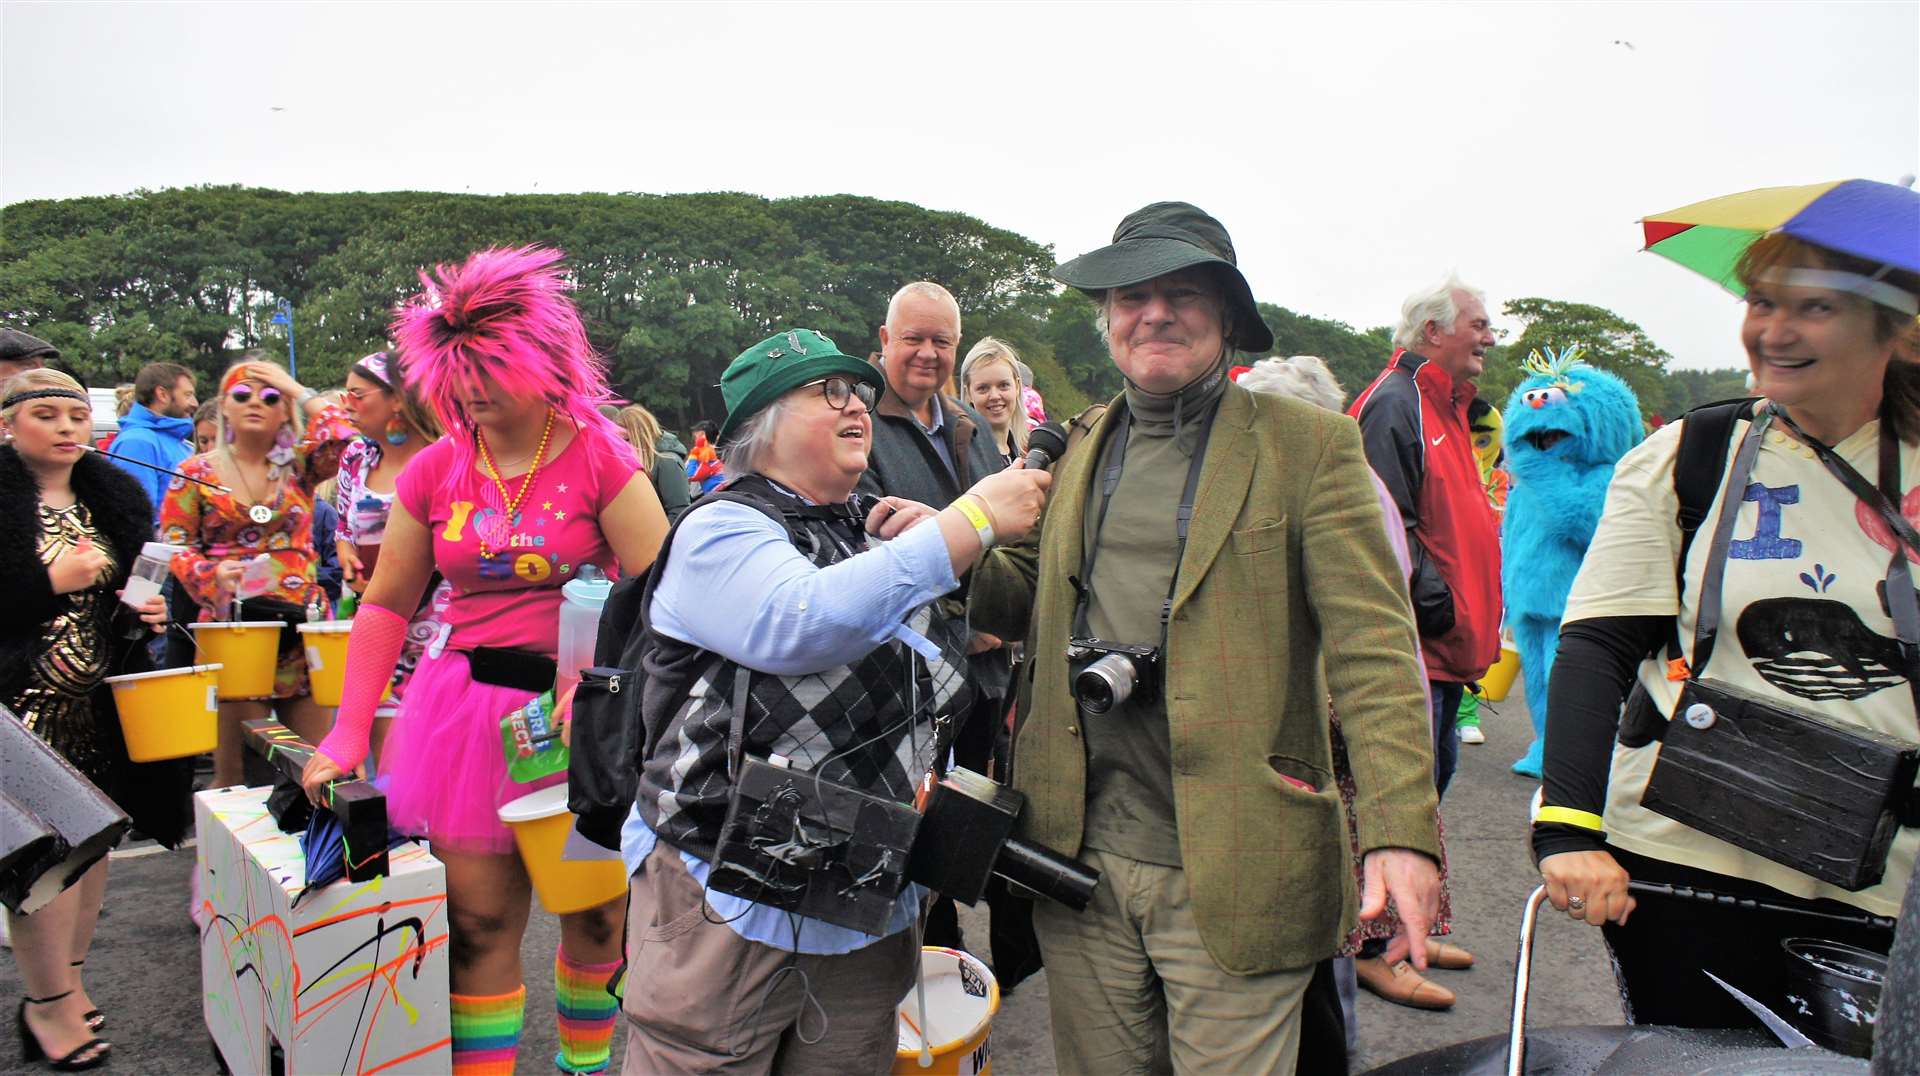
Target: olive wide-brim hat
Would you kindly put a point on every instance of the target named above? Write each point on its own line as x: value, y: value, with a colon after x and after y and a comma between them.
x: 783, y: 361
x: 1163, y: 238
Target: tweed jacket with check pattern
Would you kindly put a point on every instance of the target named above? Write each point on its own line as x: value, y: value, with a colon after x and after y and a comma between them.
x: 1288, y: 592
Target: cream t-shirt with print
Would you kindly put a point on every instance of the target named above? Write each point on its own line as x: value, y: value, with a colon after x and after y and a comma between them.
x: 1800, y: 621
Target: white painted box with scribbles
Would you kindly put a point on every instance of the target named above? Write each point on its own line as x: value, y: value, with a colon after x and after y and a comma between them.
x: 351, y: 978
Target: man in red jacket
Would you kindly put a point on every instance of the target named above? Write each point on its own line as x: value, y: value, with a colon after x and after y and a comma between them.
x: 1413, y: 419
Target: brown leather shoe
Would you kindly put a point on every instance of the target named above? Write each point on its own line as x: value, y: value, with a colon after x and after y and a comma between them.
x: 1448, y: 956
x: 1400, y: 984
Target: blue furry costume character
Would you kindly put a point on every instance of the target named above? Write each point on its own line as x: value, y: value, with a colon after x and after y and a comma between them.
x: 1567, y: 425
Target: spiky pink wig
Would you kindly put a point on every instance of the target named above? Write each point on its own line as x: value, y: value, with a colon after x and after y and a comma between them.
x: 503, y: 313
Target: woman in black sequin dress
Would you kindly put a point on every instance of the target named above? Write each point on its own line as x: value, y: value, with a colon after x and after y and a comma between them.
x: 71, y: 525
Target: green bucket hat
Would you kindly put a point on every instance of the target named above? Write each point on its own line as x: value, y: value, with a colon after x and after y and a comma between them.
x: 1163, y: 238
x: 783, y: 361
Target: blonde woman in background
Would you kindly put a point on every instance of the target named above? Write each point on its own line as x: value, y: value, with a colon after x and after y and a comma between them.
x: 662, y: 455
x: 993, y: 381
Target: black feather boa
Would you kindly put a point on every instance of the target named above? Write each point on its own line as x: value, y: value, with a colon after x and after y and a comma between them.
x: 155, y: 794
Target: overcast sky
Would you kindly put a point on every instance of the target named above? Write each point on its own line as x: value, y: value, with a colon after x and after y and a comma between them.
x: 1355, y: 152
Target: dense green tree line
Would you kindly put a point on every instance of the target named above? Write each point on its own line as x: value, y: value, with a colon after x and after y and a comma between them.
x: 671, y: 286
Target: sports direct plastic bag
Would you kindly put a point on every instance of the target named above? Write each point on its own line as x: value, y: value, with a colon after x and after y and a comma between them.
x: 530, y: 737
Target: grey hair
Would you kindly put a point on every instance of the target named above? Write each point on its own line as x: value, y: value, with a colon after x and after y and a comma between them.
x: 1437, y: 304
x: 743, y: 453
x: 993, y: 349
x: 1303, y: 377
x: 925, y: 289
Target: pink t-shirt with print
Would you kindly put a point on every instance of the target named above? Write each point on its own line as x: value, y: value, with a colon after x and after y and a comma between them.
x: 513, y: 599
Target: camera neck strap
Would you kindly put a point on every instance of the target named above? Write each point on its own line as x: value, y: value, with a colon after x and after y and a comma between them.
x: 1114, y: 461
x: 1902, y: 604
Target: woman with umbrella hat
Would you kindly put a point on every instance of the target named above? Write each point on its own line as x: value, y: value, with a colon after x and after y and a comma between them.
x: 1795, y: 552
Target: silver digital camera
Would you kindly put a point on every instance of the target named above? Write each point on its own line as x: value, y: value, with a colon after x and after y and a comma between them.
x: 1107, y: 674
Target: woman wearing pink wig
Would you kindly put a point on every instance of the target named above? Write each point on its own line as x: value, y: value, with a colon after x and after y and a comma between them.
x: 531, y: 484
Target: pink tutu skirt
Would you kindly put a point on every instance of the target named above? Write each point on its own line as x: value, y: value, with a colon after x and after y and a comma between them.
x: 445, y: 772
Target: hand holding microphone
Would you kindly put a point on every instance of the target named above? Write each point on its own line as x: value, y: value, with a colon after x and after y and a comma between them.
x: 1013, y: 498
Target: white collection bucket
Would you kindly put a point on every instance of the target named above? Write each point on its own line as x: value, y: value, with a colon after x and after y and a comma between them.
x: 962, y: 999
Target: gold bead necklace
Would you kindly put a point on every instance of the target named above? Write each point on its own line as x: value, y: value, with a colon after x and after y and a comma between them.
x: 512, y: 503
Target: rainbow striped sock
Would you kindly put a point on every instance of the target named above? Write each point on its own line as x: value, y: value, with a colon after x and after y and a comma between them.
x: 486, y: 1032
x: 585, y: 1012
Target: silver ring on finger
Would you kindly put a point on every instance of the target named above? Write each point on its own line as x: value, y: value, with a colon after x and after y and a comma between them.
x: 1576, y: 905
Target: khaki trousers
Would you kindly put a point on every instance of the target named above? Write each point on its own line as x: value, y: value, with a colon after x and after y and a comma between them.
x: 700, y: 998
x: 1134, y: 991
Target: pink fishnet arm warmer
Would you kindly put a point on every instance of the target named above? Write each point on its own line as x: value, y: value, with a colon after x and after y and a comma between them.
x: 373, y: 649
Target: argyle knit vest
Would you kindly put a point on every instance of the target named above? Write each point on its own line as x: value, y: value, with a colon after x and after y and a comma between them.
x: 876, y: 723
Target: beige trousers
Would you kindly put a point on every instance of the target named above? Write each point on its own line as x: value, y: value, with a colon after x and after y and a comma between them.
x: 1134, y: 991
x: 700, y: 998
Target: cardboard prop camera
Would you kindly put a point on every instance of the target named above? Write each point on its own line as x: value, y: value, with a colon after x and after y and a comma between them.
x: 797, y: 841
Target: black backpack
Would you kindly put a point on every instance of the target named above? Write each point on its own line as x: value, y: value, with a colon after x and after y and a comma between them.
x: 1706, y: 436
x: 609, y: 736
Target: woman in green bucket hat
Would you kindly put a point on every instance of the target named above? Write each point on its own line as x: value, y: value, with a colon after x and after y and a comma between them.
x: 791, y: 620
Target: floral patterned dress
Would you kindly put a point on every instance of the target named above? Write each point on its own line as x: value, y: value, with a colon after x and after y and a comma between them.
x: 363, y: 522
x: 214, y: 527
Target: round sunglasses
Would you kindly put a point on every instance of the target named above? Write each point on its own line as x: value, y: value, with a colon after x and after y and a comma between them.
x: 241, y: 394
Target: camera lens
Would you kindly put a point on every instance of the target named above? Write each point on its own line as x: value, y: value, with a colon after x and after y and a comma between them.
x: 1104, y: 684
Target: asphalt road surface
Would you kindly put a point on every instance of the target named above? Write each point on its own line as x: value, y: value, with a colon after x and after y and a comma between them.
x: 144, y: 967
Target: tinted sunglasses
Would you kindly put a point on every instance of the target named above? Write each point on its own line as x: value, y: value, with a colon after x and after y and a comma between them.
x: 241, y: 394
x: 839, y: 390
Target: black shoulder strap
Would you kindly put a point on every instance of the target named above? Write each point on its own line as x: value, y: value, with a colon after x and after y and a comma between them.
x: 1706, y: 436
x: 1080, y: 425
x: 625, y: 622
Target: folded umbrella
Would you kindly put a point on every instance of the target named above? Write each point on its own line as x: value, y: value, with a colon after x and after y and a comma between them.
x: 324, y: 843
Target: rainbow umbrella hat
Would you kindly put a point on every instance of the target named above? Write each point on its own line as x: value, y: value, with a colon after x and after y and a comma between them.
x: 1877, y: 221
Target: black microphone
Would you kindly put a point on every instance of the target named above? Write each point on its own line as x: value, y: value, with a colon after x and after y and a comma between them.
x: 1045, y: 443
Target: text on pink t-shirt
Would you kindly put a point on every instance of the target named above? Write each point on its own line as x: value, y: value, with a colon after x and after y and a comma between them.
x: 513, y: 599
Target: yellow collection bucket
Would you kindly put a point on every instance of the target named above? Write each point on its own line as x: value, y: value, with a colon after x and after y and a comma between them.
x: 172, y: 713
x: 1499, y: 679
x: 248, y: 651
x: 962, y: 998
x: 326, y: 643
x: 540, y: 822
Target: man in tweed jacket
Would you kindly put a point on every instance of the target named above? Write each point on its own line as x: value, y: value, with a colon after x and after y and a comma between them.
x: 1209, y: 804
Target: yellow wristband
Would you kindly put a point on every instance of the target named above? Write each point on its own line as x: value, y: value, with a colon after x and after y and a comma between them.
x: 1567, y: 816
x: 978, y: 517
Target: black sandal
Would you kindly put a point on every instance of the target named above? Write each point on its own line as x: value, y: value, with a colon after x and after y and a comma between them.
x: 31, y: 1050
x: 94, y: 1017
